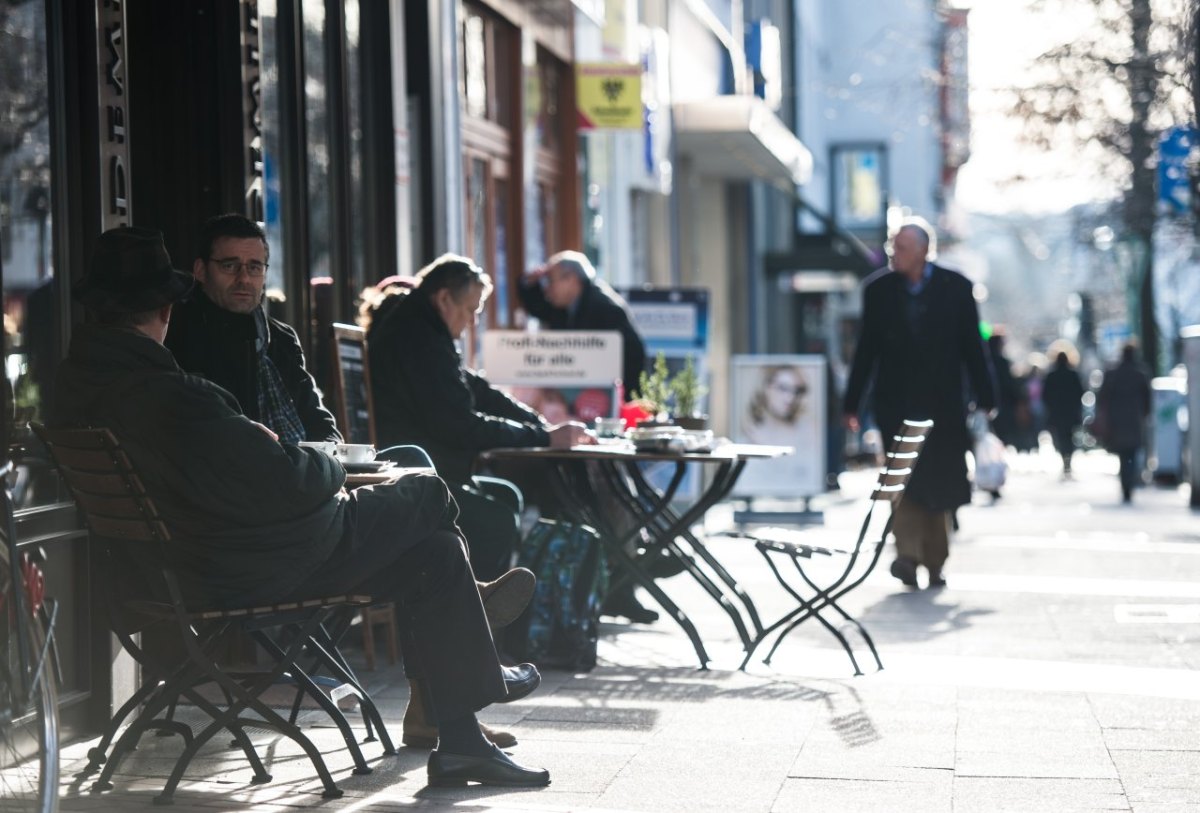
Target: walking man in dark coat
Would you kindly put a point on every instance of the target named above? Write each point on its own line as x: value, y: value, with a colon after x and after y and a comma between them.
x: 1062, y: 395
x: 919, y: 336
x: 564, y: 294
x: 259, y: 519
x: 1124, y: 401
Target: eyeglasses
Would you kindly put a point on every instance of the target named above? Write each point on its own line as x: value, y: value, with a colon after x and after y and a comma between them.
x: 784, y: 389
x: 233, y: 266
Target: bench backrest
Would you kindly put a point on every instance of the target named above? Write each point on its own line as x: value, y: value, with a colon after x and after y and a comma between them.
x: 901, y: 459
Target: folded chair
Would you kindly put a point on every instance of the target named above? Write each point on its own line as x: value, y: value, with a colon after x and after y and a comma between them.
x: 120, y: 514
x: 815, y: 594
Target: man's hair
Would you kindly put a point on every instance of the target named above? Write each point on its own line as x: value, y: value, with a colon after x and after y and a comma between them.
x: 230, y: 224
x: 576, y: 262
x: 455, y: 273
x: 924, y: 232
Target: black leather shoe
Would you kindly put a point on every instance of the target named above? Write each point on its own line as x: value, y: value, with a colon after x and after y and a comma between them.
x: 520, y: 681
x: 905, y: 570
x: 456, y: 769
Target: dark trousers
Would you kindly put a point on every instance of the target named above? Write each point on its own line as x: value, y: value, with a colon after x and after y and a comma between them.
x: 489, y: 514
x: 392, y: 552
x: 1130, y: 473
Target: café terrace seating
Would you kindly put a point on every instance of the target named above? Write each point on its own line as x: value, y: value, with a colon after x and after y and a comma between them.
x: 126, y: 527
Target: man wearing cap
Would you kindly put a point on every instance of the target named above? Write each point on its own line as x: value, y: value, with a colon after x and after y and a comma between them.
x: 258, y: 519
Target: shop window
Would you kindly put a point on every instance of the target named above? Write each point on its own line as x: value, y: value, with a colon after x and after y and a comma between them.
x: 32, y: 326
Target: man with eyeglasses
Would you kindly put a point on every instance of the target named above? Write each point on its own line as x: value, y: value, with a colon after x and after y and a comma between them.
x: 223, y: 334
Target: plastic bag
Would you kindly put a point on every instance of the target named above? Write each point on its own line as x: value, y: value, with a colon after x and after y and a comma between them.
x: 991, y: 469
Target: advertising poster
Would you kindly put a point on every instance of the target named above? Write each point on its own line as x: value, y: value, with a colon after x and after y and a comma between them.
x: 563, y: 374
x: 780, y: 400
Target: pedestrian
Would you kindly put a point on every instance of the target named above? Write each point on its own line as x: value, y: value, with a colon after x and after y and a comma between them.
x: 919, y: 341
x: 1121, y: 409
x: 1062, y: 395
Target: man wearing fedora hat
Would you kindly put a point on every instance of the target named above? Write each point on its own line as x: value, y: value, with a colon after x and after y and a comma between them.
x: 259, y: 520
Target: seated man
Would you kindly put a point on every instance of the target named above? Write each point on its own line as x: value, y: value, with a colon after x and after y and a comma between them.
x: 423, y: 395
x: 222, y: 332
x: 263, y: 520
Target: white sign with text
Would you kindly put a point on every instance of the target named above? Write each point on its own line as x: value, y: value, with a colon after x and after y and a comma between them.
x: 559, y: 358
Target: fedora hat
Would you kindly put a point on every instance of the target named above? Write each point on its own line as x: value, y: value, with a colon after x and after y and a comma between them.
x: 131, y: 272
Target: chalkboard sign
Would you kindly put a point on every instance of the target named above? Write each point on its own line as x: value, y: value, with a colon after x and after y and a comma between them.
x: 353, y: 384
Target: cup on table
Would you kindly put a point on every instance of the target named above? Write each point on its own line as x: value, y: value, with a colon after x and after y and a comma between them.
x: 355, y: 452
x: 326, y: 446
x: 609, y: 427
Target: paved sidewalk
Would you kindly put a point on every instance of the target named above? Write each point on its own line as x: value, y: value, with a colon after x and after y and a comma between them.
x: 1056, y: 672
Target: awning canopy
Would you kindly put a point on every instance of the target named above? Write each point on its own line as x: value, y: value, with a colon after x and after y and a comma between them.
x: 739, y: 137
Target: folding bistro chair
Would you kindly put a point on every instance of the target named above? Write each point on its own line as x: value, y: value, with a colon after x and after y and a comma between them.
x: 124, y: 519
x: 813, y: 595
x: 356, y: 416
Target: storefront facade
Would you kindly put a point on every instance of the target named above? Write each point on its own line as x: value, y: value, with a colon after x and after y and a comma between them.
x: 326, y: 120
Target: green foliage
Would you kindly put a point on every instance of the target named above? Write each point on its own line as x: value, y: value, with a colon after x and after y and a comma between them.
x: 654, y: 387
x: 687, y: 390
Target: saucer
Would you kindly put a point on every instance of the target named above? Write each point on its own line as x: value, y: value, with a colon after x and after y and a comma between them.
x: 369, y: 467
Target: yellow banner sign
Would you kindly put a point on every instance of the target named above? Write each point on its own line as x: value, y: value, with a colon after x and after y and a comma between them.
x: 608, y: 96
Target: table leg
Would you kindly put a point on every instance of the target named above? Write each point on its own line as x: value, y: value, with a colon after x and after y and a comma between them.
x: 679, y: 526
x: 580, y: 508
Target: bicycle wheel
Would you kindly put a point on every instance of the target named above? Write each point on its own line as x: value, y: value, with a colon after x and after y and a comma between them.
x: 29, y: 757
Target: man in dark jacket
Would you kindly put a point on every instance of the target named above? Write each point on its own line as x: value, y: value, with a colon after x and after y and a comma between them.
x: 425, y: 396
x: 222, y: 333
x: 564, y: 294
x: 1062, y: 394
x: 920, y: 333
x: 1124, y: 403
x: 258, y: 519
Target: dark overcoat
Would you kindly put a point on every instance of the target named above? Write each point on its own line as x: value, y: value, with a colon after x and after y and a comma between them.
x: 223, y: 347
x: 1062, y: 395
x: 599, y: 308
x: 1125, y: 399
x: 423, y: 394
x: 251, y: 518
x: 918, y: 352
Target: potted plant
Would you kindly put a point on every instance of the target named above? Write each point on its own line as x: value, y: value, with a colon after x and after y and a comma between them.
x: 654, y: 390
x: 686, y: 392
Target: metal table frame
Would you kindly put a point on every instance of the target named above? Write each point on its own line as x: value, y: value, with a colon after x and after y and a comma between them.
x: 669, y: 530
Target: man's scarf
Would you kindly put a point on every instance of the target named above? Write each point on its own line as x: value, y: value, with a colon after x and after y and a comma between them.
x: 275, y: 404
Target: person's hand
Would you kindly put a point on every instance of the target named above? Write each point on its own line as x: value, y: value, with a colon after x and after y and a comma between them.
x: 571, y: 433
x: 536, y: 273
x: 850, y: 421
x: 266, y: 429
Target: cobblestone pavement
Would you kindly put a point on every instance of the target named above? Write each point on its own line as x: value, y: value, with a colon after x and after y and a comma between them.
x: 1056, y: 672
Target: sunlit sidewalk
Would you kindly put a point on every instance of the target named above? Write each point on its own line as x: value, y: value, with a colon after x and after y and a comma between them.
x: 1057, y: 671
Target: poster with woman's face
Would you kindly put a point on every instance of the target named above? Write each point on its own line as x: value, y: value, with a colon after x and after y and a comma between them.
x: 780, y: 401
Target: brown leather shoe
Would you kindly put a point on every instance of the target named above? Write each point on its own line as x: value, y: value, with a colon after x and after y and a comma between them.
x: 507, y: 597
x: 419, y: 734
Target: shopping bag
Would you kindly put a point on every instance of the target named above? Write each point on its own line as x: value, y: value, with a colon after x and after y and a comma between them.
x: 991, y: 470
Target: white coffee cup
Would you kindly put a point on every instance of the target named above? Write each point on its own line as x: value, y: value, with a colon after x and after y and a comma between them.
x: 355, y: 452
x: 609, y: 427
x: 326, y: 446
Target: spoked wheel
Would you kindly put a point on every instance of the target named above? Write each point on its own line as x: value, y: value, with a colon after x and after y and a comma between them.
x: 29, y: 758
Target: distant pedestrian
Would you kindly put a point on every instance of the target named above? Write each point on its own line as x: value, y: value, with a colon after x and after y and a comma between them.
x: 919, y: 343
x: 1062, y: 396
x: 1124, y: 403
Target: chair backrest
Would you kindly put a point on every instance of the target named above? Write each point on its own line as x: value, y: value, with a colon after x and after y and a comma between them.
x: 355, y: 410
x: 105, y: 486
x: 901, y: 459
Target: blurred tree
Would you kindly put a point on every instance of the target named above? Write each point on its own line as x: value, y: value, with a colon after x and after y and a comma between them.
x: 1106, y: 94
x: 23, y: 99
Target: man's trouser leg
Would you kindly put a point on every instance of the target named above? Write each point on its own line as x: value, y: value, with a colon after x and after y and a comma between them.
x: 922, y: 535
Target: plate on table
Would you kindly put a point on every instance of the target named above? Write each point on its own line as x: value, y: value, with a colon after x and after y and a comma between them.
x: 369, y: 467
